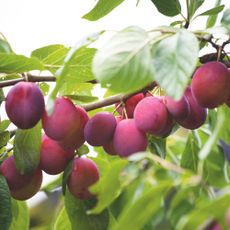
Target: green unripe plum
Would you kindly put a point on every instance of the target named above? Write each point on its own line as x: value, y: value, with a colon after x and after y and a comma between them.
x: 22, y: 187
x: 84, y: 174
x: 53, y: 158
x: 25, y: 105
x: 211, y: 84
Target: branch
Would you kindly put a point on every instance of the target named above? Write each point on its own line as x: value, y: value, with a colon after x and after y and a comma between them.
x: 117, y: 98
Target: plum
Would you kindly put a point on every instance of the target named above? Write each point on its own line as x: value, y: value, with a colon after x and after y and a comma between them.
x: 197, y: 114
x: 84, y: 174
x: 75, y: 139
x: 211, y: 84
x: 25, y: 105
x: 151, y: 115
x: 179, y: 110
x: 130, y: 104
x: 53, y: 159
x: 63, y: 121
x: 100, y: 128
x: 22, y: 187
x: 128, y: 139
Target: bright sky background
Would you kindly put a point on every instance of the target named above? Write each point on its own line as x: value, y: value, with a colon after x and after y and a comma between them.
x: 30, y: 24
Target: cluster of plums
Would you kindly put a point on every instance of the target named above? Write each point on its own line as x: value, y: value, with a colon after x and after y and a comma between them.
x: 69, y: 127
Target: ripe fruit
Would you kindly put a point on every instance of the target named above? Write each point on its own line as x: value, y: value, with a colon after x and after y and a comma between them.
x: 178, y: 109
x: 128, y: 139
x: 25, y: 105
x: 75, y: 139
x: 63, y: 121
x: 53, y: 158
x: 197, y: 114
x: 84, y: 174
x: 151, y: 115
x: 100, y: 128
x: 167, y: 129
x: 22, y: 187
x: 130, y: 104
x: 211, y: 84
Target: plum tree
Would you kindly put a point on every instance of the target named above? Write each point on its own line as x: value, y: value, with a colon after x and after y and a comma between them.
x: 84, y: 174
x: 128, y: 139
x: 75, y: 138
x: 178, y: 109
x: 63, y: 121
x: 151, y: 115
x: 211, y: 84
x: 22, y: 187
x: 100, y: 128
x: 130, y: 104
x: 53, y: 159
x: 197, y: 114
x: 25, y: 105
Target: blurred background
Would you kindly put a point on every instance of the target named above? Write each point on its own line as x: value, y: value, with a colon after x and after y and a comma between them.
x: 30, y: 24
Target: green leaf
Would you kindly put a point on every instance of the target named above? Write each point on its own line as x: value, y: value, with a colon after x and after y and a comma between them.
x: 213, y: 11
x: 65, y: 176
x: 220, y: 125
x: 168, y: 7
x: 5, y: 205
x: 124, y: 63
x: 136, y: 214
x: 157, y: 146
x: 13, y: 63
x: 80, y: 220
x: 52, y: 56
x: 27, y: 145
x: 78, y: 61
x: 175, y: 59
x: 226, y: 19
x: 4, y: 125
x: 189, y: 158
x: 108, y: 187
x: 20, y: 215
x: 204, y: 210
x: 62, y: 222
x: 194, y: 5
x: 4, y: 138
x: 102, y: 8
x: 5, y: 47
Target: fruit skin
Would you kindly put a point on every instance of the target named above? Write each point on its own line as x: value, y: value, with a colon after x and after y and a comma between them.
x: 100, y: 128
x: 22, y: 187
x: 75, y: 139
x: 151, y: 115
x: 84, y: 174
x: 197, y: 114
x: 63, y: 121
x: 211, y: 84
x: 179, y: 110
x: 25, y: 105
x: 53, y: 159
x: 130, y: 104
x: 128, y: 139
x: 109, y: 147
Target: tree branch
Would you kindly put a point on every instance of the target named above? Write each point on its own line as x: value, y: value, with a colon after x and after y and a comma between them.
x: 117, y: 98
